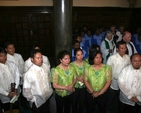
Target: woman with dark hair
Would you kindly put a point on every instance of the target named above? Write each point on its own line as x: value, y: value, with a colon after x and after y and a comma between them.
x: 97, y: 79
x: 93, y: 48
x: 63, y: 79
x: 79, y: 94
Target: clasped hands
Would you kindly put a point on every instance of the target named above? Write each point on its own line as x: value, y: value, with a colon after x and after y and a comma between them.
x: 12, y: 94
x: 69, y: 88
x: 95, y: 94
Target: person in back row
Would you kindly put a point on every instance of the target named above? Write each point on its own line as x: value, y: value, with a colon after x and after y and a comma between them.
x: 107, y: 46
x: 126, y: 37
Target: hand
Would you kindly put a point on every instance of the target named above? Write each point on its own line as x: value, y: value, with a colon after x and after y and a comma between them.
x: 11, y: 94
x: 80, y: 78
x: 134, y: 99
x: 16, y: 91
x: 110, y: 50
x: 69, y: 88
x: 95, y: 94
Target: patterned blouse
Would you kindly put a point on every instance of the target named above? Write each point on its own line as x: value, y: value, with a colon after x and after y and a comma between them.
x: 63, y: 78
x: 97, y: 78
x: 79, y: 72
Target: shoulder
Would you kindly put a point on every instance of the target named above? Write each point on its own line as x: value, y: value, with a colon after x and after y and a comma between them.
x: 106, y: 66
x: 114, y: 56
x: 127, y: 56
x: 28, y: 60
x: 131, y: 43
x: 127, y: 68
x: 17, y: 54
x: 11, y: 63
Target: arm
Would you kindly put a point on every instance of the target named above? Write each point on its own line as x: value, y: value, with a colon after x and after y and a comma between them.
x: 55, y: 82
x: 86, y: 82
x: 106, y: 86
x: 108, y: 82
x: 27, y: 85
x: 103, y: 49
x: 122, y: 83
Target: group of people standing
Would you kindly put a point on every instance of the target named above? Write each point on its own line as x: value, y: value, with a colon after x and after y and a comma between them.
x: 92, y: 84
x: 31, y: 80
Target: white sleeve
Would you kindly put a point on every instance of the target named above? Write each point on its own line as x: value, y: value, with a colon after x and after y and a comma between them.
x: 27, y: 84
x: 17, y: 78
x: 103, y: 49
x: 122, y: 83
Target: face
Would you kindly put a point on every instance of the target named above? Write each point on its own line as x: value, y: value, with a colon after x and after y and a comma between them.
x: 121, y: 29
x: 76, y: 45
x: 89, y: 33
x: 37, y: 48
x: 65, y: 60
x: 113, y: 29
x: 127, y: 37
x: 97, y: 31
x: 98, y: 59
x: 79, y: 55
x: 3, y: 58
x: 37, y: 59
x: 136, y: 61
x: 82, y: 34
x: 79, y: 39
x: 109, y: 37
x: 10, y: 49
x: 122, y: 49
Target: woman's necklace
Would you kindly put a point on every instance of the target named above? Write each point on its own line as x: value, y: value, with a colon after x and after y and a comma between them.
x: 79, y: 64
x: 97, y: 69
x: 66, y: 71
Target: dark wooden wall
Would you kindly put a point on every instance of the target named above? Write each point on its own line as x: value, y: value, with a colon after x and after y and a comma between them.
x: 26, y: 26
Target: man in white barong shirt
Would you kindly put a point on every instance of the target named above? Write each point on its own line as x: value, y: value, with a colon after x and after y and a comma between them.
x: 36, y: 86
x: 14, y: 57
x: 117, y: 61
x: 126, y: 37
x: 28, y: 62
x: 9, y: 73
x: 129, y: 82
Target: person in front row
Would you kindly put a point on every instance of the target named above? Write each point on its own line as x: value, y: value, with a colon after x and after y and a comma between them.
x: 117, y: 61
x: 63, y: 79
x: 80, y: 89
x: 36, y: 84
x: 129, y: 81
x: 9, y: 73
x: 97, y: 78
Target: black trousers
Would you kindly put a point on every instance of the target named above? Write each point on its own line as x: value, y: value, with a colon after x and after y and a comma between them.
x: 6, y: 106
x: 78, y: 100
x: 63, y: 104
x: 113, y: 101
x: 124, y: 108
x: 44, y: 108
x: 99, y: 102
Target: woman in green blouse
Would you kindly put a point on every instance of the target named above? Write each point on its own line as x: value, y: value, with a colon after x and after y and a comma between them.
x: 79, y: 94
x: 97, y: 79
x: 63, y: 79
